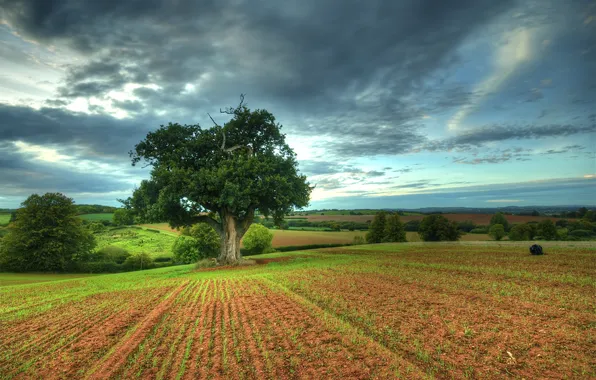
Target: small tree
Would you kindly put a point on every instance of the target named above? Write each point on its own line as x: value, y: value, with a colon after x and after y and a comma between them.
x: 376, y: 230
x: 186, y: 250
x: 497, y: 231
x: 394, y: 229
x: 499, y: 218
x: 437, y: 228
x: 547, y: 230
x: 257, y: 239
x: 207, y: 240
x: 47, y: 235
x: 123, y: 217
x: 520, y: 232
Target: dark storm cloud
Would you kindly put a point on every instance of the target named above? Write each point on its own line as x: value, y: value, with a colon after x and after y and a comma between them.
x: 496, y: 133
x: 364, y: 72
x: 22, y: 177
x: 100, y: 135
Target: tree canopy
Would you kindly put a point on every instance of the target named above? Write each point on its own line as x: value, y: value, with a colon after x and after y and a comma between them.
x: 220, y: 175
x: 437, y: 228
x: 499, y: 218
x: 47, y: 235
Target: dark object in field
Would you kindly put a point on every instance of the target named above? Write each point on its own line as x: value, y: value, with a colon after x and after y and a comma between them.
x: 536, y: 249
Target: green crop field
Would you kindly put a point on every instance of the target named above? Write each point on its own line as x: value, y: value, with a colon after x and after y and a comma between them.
x: 30, y: 278
x: 412, y: 310
x: 4, y: 219
x: 97, y: 217
x: 136, y: 240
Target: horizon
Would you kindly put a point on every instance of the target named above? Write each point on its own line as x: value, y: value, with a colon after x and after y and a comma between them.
x: 388, y: 105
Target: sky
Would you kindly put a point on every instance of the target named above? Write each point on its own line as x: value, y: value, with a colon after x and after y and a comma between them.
x: 388, y: 104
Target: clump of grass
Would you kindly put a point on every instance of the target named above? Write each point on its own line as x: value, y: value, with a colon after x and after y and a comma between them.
x: 205, y: 263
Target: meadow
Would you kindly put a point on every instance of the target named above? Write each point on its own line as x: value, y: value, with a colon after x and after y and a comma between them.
x: 4, y: 219
x: 137, y: 240
x: 414, y: 310
x: 97, y: 217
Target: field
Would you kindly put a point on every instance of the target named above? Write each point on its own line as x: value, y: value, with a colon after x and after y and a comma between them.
x: 30, y: 278
x: 136, y: 240
x: 4, y: 219
x: 483, y: 219
x: 411, y: 310
x: 97, y: 217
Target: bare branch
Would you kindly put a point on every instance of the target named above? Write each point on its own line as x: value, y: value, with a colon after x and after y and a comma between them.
x: 217, y: 125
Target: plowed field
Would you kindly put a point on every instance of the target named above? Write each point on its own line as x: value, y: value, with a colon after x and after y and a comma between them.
x: 414, y: 310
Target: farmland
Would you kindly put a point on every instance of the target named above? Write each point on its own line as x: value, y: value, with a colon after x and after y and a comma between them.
x: 97, y: 217
x: 30, y: 278
x: 137, y: 240
x: 482, y: 219
x: 4, y: 219
x: 411, y: 310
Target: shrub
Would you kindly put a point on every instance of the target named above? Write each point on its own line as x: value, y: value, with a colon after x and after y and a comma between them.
x: 138, y: 261
x: 547, y: 230
x: 257, y: 239
x: 358, y: 240
x: 96, y: 227
x: 412, y: 226
x: 205, y: 263
x: 497, y: 231
x: 185, y: 250
x: 438, y: 228
x: 111, y: 253
x: 208, y: 241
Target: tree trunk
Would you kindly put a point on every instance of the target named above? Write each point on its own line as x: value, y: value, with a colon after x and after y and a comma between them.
x: 230, y: 241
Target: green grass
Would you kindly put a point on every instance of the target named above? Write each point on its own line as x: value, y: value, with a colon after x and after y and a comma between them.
x: 136, y: 240
x: 4, y: 219
x: 7, y: 279
x: 97, y: 217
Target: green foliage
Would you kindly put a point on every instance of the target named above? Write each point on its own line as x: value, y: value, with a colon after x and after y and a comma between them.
x: 590, y: 216
x: 257, y: 239
x: 94, y: 209
x: 581, y: 233
x: 547, y: 230
x: 499, y: 218
x: 376, y: 230
x: 111, y: 253
x: 205, y: 263
x: 497, y: 231
x: 412, y: 226
x: 438, y: 228
x: 186, y: 250
x: 521, y: 232
x: 466, y: 226
x: 394, y: 229
x: 359, y: 240
x: 208, y: 241
x: 123, y: 217
x: 96, y: 227
x: 138, y: 261
x: 137, y: 240
x: 479, y: 230
x: 47, y: 235
x: 103, y: 217
x: 4, y: 219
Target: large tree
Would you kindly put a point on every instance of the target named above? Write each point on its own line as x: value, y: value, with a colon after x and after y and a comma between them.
x: 220, y: 176
x: 47, y: 235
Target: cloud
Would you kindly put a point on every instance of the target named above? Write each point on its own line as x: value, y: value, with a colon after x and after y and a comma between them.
x: 504, y: 200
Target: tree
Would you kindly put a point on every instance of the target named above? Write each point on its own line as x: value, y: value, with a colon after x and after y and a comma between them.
x: 47, y: 235
x: 497, y: 231
x: 438, y: 228
x: 258, y: 239
x: 520, y: 232
x: 123, y: 217
x: 547, y: 230
x: 208, y: 242
x: 499, y: 218
x: 376, y: 230
x: 394, y: 229
x: 220, y: 176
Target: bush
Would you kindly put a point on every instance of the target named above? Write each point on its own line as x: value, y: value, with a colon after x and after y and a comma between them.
x: 111, y: 253
x: 412, y: 226
x: 257, y: 239
x: 138, y: 261
x: 581, y: 233
x: 438, y: 228
x: 479, y: 230
x: 497, y: 231
x: 358, y: 240
x: 185, y: 250
x: 162, y: 259
x: 205, y: 263
x: 208, y: 241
